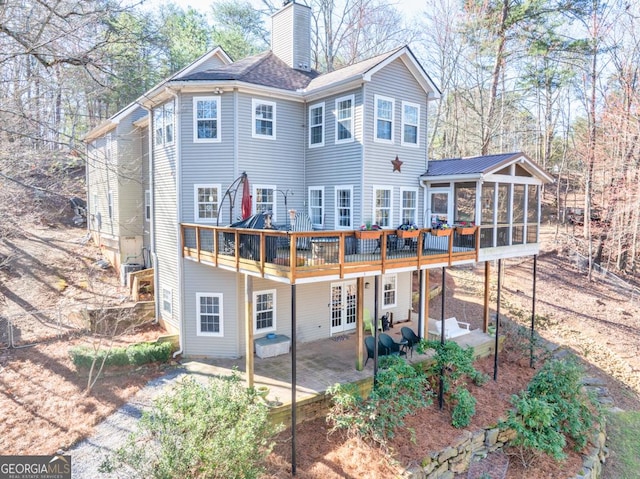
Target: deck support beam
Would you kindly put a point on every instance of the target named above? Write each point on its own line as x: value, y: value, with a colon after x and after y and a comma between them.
x: 293, y: 379
x: 360, y: 323
x: 533, y: 308
x: 487, y: 289
x: 495, y: 356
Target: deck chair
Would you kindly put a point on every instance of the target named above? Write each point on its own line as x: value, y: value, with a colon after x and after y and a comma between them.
x: 410, y: 337
x: 367, y: 319
x: 369, y: 342
x: 390, y: 346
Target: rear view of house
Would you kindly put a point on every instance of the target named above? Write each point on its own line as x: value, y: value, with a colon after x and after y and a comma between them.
x: 316, y: 156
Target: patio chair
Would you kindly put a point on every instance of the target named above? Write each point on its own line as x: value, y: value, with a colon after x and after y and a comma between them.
x: 390, y: 347
x: 410, y: 337
x: 369, y: 342
x: 367, y: 319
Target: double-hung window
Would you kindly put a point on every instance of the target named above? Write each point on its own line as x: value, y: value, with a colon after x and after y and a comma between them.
x: 147, y: 205
x: 383, y: 114
x: 167, y: 300
x: 389, y: 290
x: 110, y: 204
x: 264, y: 119
x: 209, y: 314
x: 264, y: 197
x: 316, y: 125
x: 410, y: 121
x: 344, y: 119
x: 316, y: 206
x: 344, y: 207
x: 382, y: 206
x: 207, y: 202
x: 163, y: 121
x: 206, y: 119
x: 409, y: 205
x: 264, y: 303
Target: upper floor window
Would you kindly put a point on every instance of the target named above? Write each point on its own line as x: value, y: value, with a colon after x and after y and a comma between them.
x: 410, y: 121
x: 206, y: 119
x: 147, y: 205
x: 265, y: 311
x: 265, y: 199
x: 168, y: 122
x: 389, y: 289
x: 344, y: 207
x: 207, y: 201
x: 344, y: 119
x: 167, y: 300
x: 383, y: 114
x: 163, y: 121
x: 382, y: 205
x: 264, y: 119
x: 316, y: 125
x: 209, y: 311
x: 110, y: 203
x: 408, y: 205
x: 316, y: 206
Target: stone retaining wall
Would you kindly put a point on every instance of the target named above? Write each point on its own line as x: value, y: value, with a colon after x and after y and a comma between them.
x: 456, y: 458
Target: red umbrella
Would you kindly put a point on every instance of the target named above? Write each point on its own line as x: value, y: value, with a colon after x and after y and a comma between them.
x: 246, y: 199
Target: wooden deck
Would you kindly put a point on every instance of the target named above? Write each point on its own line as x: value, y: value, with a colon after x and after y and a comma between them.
x: 303, y: 257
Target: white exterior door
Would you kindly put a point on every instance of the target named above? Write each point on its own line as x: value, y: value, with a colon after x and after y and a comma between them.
x: 343, y: 306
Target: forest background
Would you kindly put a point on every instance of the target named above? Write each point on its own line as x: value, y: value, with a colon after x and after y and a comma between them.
x: 556, y: 79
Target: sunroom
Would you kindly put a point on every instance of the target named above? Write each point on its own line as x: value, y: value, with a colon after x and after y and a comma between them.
x: 499, y: 193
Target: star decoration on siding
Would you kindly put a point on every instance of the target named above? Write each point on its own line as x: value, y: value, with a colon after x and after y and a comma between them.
x: 397, y: 164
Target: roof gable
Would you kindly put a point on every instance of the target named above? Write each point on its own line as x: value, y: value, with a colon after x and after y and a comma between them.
x: 483, y: 166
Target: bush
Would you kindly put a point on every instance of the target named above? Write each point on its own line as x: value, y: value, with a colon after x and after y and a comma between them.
x: 455, y: 365
x: 218, y: 430
x: 553, y: 408
x: 399, y: 391
x: 137, y: 354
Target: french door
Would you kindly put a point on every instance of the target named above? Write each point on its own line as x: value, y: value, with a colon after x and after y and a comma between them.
x: 343, y: 306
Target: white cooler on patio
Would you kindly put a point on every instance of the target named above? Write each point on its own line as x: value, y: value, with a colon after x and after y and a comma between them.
x: 269, y: 347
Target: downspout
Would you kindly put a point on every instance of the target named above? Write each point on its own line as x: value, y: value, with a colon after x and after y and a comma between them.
x: 178, y: 152
x: 364, y: 151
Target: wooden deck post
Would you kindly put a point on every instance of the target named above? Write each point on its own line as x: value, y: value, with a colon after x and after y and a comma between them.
x: 248, y: 324
x: 424, y: 302
x: 360, y: 323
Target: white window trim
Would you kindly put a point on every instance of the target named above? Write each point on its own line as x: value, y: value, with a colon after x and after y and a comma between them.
x: 352, y: 119
x: 322, y: 208
x: 375, y: 119
x: 218, y: 137
x: 173, y: 122
x: 199, y: 331
x: 254, y: 203
x: 395, y: 296
x: 404, y: 122
x: 335, y: 207
x: 196, y: 212
x: 255, y: 312
x: 374, y: 209
x: 166, y: 291
x: 254, y: 133
x: 321, y: 125
x: 147, y: 205
x: 158, y: 126
x: 402, y: 208
x: 110, y: 204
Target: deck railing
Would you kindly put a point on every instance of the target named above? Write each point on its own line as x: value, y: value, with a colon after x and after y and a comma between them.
x: 313, y: 255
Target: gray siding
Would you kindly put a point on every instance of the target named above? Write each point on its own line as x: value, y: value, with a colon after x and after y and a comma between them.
x: 146, y: 229
x: 166, y: 227
x: 103, y: 177
x: 282, y: 34
x: 377, y: 167
x: 337, y: 164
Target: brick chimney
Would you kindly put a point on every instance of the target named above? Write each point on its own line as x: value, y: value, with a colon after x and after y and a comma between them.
x: 291, y: 35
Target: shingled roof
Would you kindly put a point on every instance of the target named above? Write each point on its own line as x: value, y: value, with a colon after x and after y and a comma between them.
x: 264, y: 69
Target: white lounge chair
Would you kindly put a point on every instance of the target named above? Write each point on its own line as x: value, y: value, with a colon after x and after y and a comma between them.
x: 452, y: 328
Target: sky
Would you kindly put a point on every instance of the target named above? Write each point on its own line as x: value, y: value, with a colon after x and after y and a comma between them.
x: 408, y: 7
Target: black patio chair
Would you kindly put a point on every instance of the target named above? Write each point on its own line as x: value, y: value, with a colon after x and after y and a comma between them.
x: 410, y: 337
x: 370, y: 343
x: 390, y: 346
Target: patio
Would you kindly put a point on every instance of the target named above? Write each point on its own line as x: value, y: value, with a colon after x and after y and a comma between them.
x: 320, y: 364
